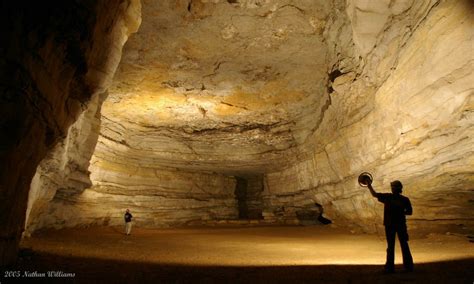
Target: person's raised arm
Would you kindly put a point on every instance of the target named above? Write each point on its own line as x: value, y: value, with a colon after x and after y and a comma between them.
x: 372, y: 191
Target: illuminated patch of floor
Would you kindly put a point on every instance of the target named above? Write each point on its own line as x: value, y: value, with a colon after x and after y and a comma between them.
x: 242, y: 246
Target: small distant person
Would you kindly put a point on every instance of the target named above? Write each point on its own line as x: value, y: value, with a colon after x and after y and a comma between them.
x: 128, y: 222
x: 396, y: 206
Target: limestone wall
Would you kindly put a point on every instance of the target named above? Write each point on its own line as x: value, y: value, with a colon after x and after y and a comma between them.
x: 55, y: 56
x: 156, y: 197
x: 66, y: 166
x: 85, y: 182
x: 408, y: 116
x: 254, y: 196
x: 382, y: 86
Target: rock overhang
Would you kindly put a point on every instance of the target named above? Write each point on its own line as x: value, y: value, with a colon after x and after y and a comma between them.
x: 221, y: 84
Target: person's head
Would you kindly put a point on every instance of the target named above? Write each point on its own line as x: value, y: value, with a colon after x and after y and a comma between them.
x: 128, y: 211
x: 397, y: 186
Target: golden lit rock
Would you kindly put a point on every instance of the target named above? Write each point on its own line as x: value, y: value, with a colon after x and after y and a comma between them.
x: 287, y: 103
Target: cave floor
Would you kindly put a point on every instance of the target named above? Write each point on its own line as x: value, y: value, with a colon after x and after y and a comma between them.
x: 311, y: 254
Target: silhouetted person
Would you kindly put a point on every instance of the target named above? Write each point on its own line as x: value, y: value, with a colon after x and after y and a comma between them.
x: 396, y: 206
x: 128, y: 222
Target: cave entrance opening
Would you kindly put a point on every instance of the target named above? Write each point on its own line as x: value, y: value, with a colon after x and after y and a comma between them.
x: 248, y: 193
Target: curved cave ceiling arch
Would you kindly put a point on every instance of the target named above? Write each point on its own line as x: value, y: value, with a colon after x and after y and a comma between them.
x: 219, y: 86
x: 294, y: 97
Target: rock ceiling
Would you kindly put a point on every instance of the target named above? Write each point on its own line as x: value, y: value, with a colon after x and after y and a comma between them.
x: 218, y: 85
x: 309, y: 93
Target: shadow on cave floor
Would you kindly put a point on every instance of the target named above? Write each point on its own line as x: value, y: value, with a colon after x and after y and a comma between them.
x: 90, y: 270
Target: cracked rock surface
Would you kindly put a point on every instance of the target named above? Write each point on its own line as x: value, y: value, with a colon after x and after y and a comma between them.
x: 304, y: 95
x: 218, y: 86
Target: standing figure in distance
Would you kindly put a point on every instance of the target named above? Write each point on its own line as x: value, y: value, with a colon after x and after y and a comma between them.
x: 128, y: 222
x: 396, y: 206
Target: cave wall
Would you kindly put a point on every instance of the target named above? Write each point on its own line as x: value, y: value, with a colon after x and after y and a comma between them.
x: 66, y: 166
x: 401, y: 108
x: 402, y: 132
x: 398, y: 104
x: 254, y: 196
x: 121, y: 179
x: 201, y: 79
x: 55, y: 57
x: 248, y: 192
x: 156, y: 197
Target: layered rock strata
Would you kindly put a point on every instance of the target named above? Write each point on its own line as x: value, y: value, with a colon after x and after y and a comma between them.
x: 186, y: 102
x: 156, y: 197
x: 203, y: 78
x: 248, y: 192
x: 304, y: 94
x: 55, y: 56
x: 405, y: 112
x: 65, y: 168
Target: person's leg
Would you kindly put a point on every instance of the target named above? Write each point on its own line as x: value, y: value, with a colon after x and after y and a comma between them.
x: 128, y: 228
x: 403, y: 238
x: 390, y: 235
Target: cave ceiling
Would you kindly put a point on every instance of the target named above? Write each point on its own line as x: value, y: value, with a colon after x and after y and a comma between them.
x: 218, y: 85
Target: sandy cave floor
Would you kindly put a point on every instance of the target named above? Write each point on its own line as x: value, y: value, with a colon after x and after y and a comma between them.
x: 312, y: 254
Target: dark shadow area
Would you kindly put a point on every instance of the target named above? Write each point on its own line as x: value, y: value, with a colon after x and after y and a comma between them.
x: 312, y: 215
x: 248, y: 193
x: 323, y: 220
x: 241, y: 196
x: 89, y: 270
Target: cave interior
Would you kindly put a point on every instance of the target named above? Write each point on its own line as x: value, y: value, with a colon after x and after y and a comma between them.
x: 234, y: 114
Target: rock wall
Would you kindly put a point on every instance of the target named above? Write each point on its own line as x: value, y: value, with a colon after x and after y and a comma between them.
x: 219, y: 85
x: 254, y: 196
x: 187, y: 98
x: 401, y: 107
x: 66, y: 166
x: 156, y: 197
x: 50, y: 67
x: 385, y: 87
x: 121, y: 179
x: 248, y: 193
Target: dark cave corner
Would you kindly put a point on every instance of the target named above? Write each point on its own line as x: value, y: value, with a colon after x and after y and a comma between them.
x: 248, y: 192
x: 312, y: 215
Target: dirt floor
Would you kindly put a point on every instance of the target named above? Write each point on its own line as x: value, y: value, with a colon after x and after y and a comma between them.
x: 313, y: 254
